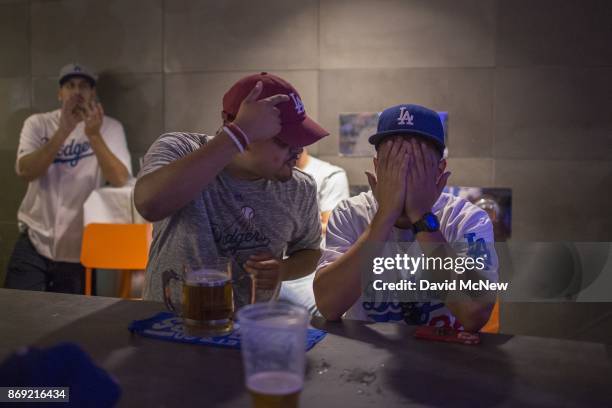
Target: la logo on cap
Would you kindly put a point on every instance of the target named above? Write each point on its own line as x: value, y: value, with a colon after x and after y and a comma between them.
x: 405, y: 118
x: 299, y: 106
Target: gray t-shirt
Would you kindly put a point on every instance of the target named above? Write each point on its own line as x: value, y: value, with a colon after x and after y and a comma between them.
x: 231, y: 218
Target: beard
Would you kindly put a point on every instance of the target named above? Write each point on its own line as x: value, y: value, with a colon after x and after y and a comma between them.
x: 285, y: 173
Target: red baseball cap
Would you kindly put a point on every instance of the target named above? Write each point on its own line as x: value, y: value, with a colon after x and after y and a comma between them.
x: 297, y: 129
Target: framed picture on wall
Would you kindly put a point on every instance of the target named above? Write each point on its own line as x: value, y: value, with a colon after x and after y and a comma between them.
x: 356, y: 128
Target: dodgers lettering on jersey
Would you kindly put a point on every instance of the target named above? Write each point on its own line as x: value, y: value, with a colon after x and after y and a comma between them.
x: 71, y: 153
x: 241, y: 235
x: 411, y: 313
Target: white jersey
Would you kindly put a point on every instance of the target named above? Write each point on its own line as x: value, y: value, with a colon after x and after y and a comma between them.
x: 332, y: 187
x: 332, y: 184
x: 52, y: 208
x: 460, y: 221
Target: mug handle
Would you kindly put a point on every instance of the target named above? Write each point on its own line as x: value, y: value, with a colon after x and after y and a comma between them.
x: 167, y: 277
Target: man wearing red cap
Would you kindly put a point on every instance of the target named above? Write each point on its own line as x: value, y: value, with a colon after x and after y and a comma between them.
x: 237, y: 194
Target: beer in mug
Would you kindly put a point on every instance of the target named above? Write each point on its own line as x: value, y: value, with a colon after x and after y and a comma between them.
x: 207, y: 305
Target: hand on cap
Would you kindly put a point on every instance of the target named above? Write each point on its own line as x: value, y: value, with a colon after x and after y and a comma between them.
x: 389, y: 184
x: 424, y: 186
x: 260, y: 119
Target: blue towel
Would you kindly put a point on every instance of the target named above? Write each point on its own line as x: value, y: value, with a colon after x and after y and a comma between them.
x: 166, y: 326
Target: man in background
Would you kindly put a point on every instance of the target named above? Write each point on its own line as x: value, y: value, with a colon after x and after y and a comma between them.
x: 332, y: 183
x: 63, y: 155
x: 332, y: 187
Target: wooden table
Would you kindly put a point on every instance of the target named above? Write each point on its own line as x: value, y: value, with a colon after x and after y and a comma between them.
x: 356, y: 365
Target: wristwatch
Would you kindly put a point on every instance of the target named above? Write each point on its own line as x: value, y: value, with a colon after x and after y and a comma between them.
x: 428, y: 223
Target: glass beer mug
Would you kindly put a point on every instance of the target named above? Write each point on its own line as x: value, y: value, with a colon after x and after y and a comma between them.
x: 207, y: 304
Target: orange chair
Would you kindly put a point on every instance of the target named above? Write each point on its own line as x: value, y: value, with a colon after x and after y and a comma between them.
x: 115, y: 246
x: 492, y: 325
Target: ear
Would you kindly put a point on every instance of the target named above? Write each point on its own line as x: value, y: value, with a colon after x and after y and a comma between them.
x: 441, y: 166
x: 375, y: 161
x: 59, y: 95
x: 226, y: 117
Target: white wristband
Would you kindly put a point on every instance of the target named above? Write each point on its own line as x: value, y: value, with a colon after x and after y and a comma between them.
x: 234, y: 138
x: 246, y: 138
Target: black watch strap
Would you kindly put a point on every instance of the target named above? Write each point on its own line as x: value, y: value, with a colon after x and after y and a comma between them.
x: 428, y: 223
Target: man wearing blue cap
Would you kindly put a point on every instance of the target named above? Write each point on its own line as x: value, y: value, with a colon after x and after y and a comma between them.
x: 406, y: 204
x: 63, y: 155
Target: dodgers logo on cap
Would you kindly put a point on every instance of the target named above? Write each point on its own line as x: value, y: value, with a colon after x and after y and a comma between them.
x: 405, y: 118
x: 76, y: 70
x: 297, y: 128
x: 299, y: 105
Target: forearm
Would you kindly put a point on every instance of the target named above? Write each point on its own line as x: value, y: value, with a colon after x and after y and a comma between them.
x: 300, y: 264
x: 324, y: 219
x: 35, y: 164
x: 113, y: 170
x: 338, y: 285
x: 472, y: 313
x: 168, y: 189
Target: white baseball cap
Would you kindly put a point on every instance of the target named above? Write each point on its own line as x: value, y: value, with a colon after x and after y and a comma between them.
x: 76, y: 70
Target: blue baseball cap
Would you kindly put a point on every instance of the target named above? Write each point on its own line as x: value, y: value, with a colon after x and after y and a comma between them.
x: 410, y: 120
